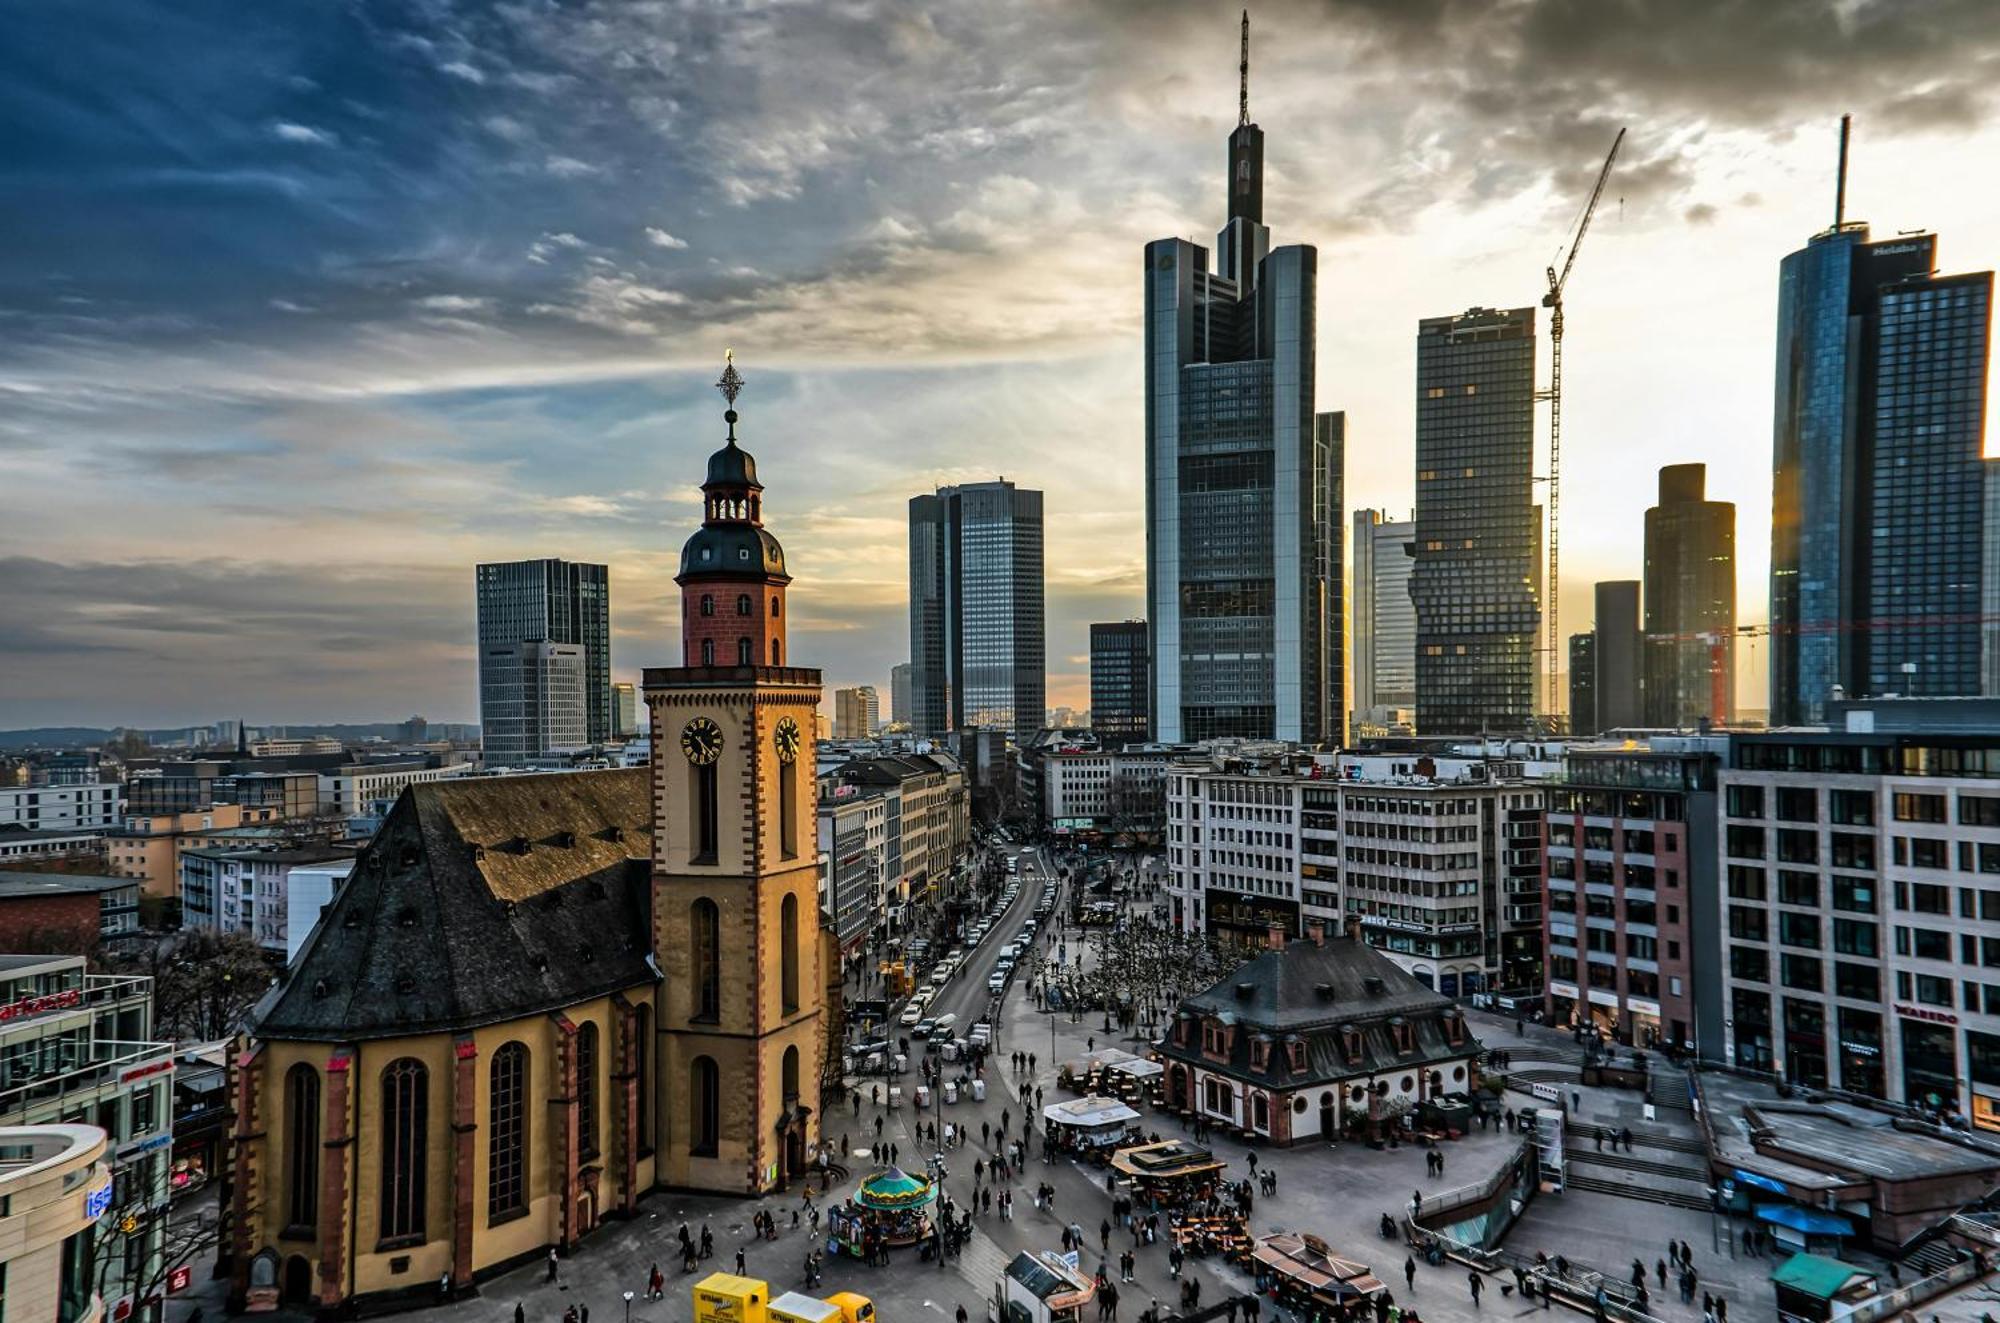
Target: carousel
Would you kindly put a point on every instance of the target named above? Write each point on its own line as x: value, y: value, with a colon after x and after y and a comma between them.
x: 890, y: 1209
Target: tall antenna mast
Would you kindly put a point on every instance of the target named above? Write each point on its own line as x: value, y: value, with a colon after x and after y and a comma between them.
x: 1243, y: 84
x: 1840, y: 184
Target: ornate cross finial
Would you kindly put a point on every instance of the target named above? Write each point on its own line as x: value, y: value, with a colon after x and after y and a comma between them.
x: 731, y: 382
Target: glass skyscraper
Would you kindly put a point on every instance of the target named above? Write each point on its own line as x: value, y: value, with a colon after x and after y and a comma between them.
x: 1690, y: 602
x: 540, y: 601
x: 978, y: 654
x: 1242, y: 483
x: 1476, y: 585
x: 1383, y: 644
x: 1878, y: 502
x: 1119, y: 683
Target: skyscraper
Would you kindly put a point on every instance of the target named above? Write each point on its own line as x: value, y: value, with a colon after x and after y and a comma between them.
x: 977, y: 651
x: 624, y: 710
x: 899, y: 694
x: 1242, y: 481
x: 1383, y: 620
x: 1475, y: 584
x: 1690, y: 602
x: 1616, y: 653
x: 856, y: 712
x: 552, y: 601
x: 538, y: 693
x: 1119, y: 683
x: 1877, y: 503
x: 1583, y: 685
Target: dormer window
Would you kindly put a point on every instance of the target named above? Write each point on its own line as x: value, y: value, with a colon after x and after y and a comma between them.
x: 1350, y: 1044
x: 1295, y: 1050
x: 1399, y: 1032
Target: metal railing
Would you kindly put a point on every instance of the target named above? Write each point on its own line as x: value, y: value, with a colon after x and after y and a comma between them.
x: 1894, y: 1302
x: 92, y: 1074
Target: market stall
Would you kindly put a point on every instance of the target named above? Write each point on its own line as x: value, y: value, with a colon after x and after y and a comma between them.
x: 1303, y: 1275
x: 1170, y: 1173
x: 1046, y: 1288
x: 1091, y: 1126
x: 891, y: 1208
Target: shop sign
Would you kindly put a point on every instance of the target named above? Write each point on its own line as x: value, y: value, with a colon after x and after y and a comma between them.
x: 145, y: 1145
x: 96, y: 1202
x: 1860, y: 1049
x: 55, y: 1001
x: 179, y: 1278
x: 150, y: 1068
x: 1926, y: 1013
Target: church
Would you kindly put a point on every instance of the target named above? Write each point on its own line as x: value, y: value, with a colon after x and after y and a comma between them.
x: 538, y: 998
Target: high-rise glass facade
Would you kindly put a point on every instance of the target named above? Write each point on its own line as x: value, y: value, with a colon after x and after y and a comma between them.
x: 1616, y: 654
x: 1242, y: 484
x: 1690, y: 603
x: 552, y: 601
x: 1475, y: 583
x: 978, y: 652
x: 1878, y: 524
x: 1119, y: 683
x: 1383, y: 621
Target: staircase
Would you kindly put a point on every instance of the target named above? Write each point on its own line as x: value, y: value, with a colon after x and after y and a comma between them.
x: 1650, y: 1193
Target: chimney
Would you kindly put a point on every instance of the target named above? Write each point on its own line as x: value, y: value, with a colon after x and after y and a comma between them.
x: 1354, y: 927
x: 1274, y: 937
x: 1316, y: 931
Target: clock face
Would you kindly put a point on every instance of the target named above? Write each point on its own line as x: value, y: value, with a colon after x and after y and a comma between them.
x: 787, y: 739
x: 701, y: 741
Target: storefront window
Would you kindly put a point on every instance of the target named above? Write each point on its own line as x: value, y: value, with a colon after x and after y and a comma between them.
x: 1982, y: 1057
x: 77, y: 1292
x: 1930, y: 1064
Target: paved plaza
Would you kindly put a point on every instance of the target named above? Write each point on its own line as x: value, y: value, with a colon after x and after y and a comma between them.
x: 1338, y: 1192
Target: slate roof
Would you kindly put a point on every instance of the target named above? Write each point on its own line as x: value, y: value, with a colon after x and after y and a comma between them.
x: 479, y: 901
x: 1310, y: 992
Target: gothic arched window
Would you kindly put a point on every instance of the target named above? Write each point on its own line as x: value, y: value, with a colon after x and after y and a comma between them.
x: 788, y: 950
x: 705, y: 941
x: 507, y: 1131
x: 586, y: 1089
x: 302, y: 1147
x: 406, y: 1107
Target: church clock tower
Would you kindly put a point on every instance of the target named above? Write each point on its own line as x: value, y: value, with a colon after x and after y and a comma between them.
x: 740, y: 1014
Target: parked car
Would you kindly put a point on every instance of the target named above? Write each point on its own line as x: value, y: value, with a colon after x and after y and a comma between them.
x: 912, y: 1013
x: 925, y: 1028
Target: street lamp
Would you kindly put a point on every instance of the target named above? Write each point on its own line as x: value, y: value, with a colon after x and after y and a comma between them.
x: 628, y: 1307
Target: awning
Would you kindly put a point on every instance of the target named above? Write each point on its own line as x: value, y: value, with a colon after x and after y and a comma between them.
x: 1816, y: 1275
x: 1809, y: 1221
x: 1089, y: 1112
x: 1139, y: 1068
x: 1756, y: 1182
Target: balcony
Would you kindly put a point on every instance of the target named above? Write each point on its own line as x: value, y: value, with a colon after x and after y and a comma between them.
x: 108, y: 1061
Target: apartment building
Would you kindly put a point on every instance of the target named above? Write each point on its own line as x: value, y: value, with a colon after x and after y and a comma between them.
x: 931, y: 818
x: 248, y: 891
x: 358, y: 788
x: 1437, y: 858
x: 69, y: 808
x: 1631, y: 893
x: 853, y: 839
x: 77, y: 1049
x: 1861, y: 904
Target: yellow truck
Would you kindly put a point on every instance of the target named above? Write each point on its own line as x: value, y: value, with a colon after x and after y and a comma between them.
x: 725, y: 1298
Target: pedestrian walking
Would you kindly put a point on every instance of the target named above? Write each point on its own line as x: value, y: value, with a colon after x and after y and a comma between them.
x: 1473, y: 1284
x: 1410, y: 1271
x: 739, y: 1262
x: 552, y: 1264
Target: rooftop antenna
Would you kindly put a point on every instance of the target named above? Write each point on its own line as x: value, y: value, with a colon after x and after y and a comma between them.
x: 1243, y: 77
x: 1840, y: 183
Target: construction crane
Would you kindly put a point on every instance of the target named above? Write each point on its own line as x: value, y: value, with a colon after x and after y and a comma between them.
x: 1553, y: 301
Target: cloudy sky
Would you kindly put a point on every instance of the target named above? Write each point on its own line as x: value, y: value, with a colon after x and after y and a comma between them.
x: 306, y: 308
